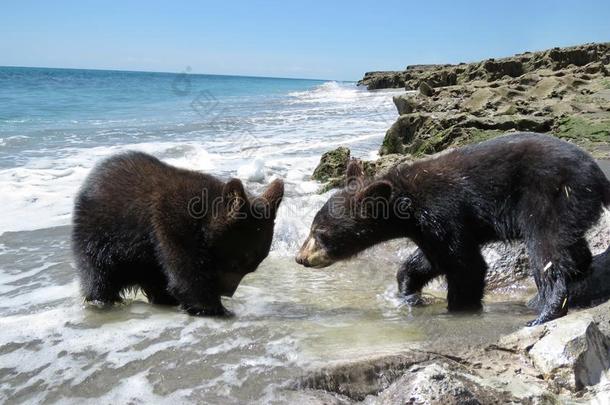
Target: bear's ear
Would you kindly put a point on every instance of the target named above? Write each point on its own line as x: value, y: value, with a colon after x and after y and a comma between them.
x: 354, y: 175
x: 273, y: 196
x: 380, y: 189
x: 234, y: 199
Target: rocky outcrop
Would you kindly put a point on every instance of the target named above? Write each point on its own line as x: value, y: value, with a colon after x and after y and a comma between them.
x: 488, y: 70
x: 331, y: 169
x: 572, y: 103
x: 424, y: 133
x: 442, y: 382
x: 383, y: 80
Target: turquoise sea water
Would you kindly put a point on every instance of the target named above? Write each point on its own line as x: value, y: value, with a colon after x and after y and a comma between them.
x: 64, y: 107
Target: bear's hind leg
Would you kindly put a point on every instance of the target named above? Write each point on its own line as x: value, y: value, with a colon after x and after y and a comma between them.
x: 553, y: 266
x: 413, y: 275
x: 582, y: 258
x: 155, y: 288
x: 466, y: 281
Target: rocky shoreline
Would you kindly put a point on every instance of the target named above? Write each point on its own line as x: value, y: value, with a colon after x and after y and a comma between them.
x: 562, y: 91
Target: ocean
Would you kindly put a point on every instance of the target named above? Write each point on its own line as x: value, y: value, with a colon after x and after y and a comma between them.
x: 55, y: 124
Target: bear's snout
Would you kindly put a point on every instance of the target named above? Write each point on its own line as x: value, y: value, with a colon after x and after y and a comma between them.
x: 312, y: 255
x: 302, y: 259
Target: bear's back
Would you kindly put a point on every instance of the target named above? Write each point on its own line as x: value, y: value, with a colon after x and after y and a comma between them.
x: 127, y: 188
x: 514, y: 158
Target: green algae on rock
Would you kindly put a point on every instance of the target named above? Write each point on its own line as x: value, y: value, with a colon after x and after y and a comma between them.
x: 332, y: 164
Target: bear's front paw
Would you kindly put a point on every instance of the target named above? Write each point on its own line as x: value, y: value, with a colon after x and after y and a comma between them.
x: 210, y: 310
x: 218, y: 311
x: 414, y: 300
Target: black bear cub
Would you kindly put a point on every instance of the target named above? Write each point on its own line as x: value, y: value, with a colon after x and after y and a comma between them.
x: 181, y: 236
x: 525, y: 186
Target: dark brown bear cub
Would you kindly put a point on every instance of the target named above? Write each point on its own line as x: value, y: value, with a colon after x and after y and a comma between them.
x: 181, y: 236
x: 532, y: 187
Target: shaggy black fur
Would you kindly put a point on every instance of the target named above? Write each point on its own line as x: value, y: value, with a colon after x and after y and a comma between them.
x: 181, y: 236
x: 526, y: 186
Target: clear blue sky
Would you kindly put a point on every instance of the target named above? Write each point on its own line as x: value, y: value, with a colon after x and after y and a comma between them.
x: 315, y: 39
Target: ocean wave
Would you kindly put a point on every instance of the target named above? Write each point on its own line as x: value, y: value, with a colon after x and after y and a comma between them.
x: 344, y: 92
x: 328, y: 92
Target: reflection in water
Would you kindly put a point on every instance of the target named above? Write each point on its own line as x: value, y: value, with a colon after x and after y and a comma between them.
x: 288, y: 318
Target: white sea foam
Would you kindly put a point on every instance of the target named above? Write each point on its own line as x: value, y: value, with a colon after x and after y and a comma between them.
x: 329, y: 92
x: 253, y: 171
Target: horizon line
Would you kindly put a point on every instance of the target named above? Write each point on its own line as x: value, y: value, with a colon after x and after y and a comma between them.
x: 175, y: 73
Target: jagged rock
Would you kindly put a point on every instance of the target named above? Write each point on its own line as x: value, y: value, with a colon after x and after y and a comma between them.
x: 401, y: 137
x: 332, y: 164
x: 489, y: 70
x: 573, y: 353
x: 405, y: 103
x: 570, y: 352
x: 410, y: 377
x: 562, y: 361
x: 430, y: 66
x: 385, y: 163
x: 383, y: 80
x: 425, y: 89
x: 495, y: 70
x: 577, y: 56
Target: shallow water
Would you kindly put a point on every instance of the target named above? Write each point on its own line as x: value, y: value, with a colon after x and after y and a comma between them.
x: 287, y: 320
x: 57, y: 124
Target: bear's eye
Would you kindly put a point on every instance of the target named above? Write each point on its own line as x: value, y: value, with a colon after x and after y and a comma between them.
x: 322, y: 237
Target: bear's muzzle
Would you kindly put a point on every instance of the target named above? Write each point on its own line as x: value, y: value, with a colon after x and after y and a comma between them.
x: 312, y: 255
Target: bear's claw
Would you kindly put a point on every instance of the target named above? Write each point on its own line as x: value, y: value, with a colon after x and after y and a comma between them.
x: 414, y: 300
